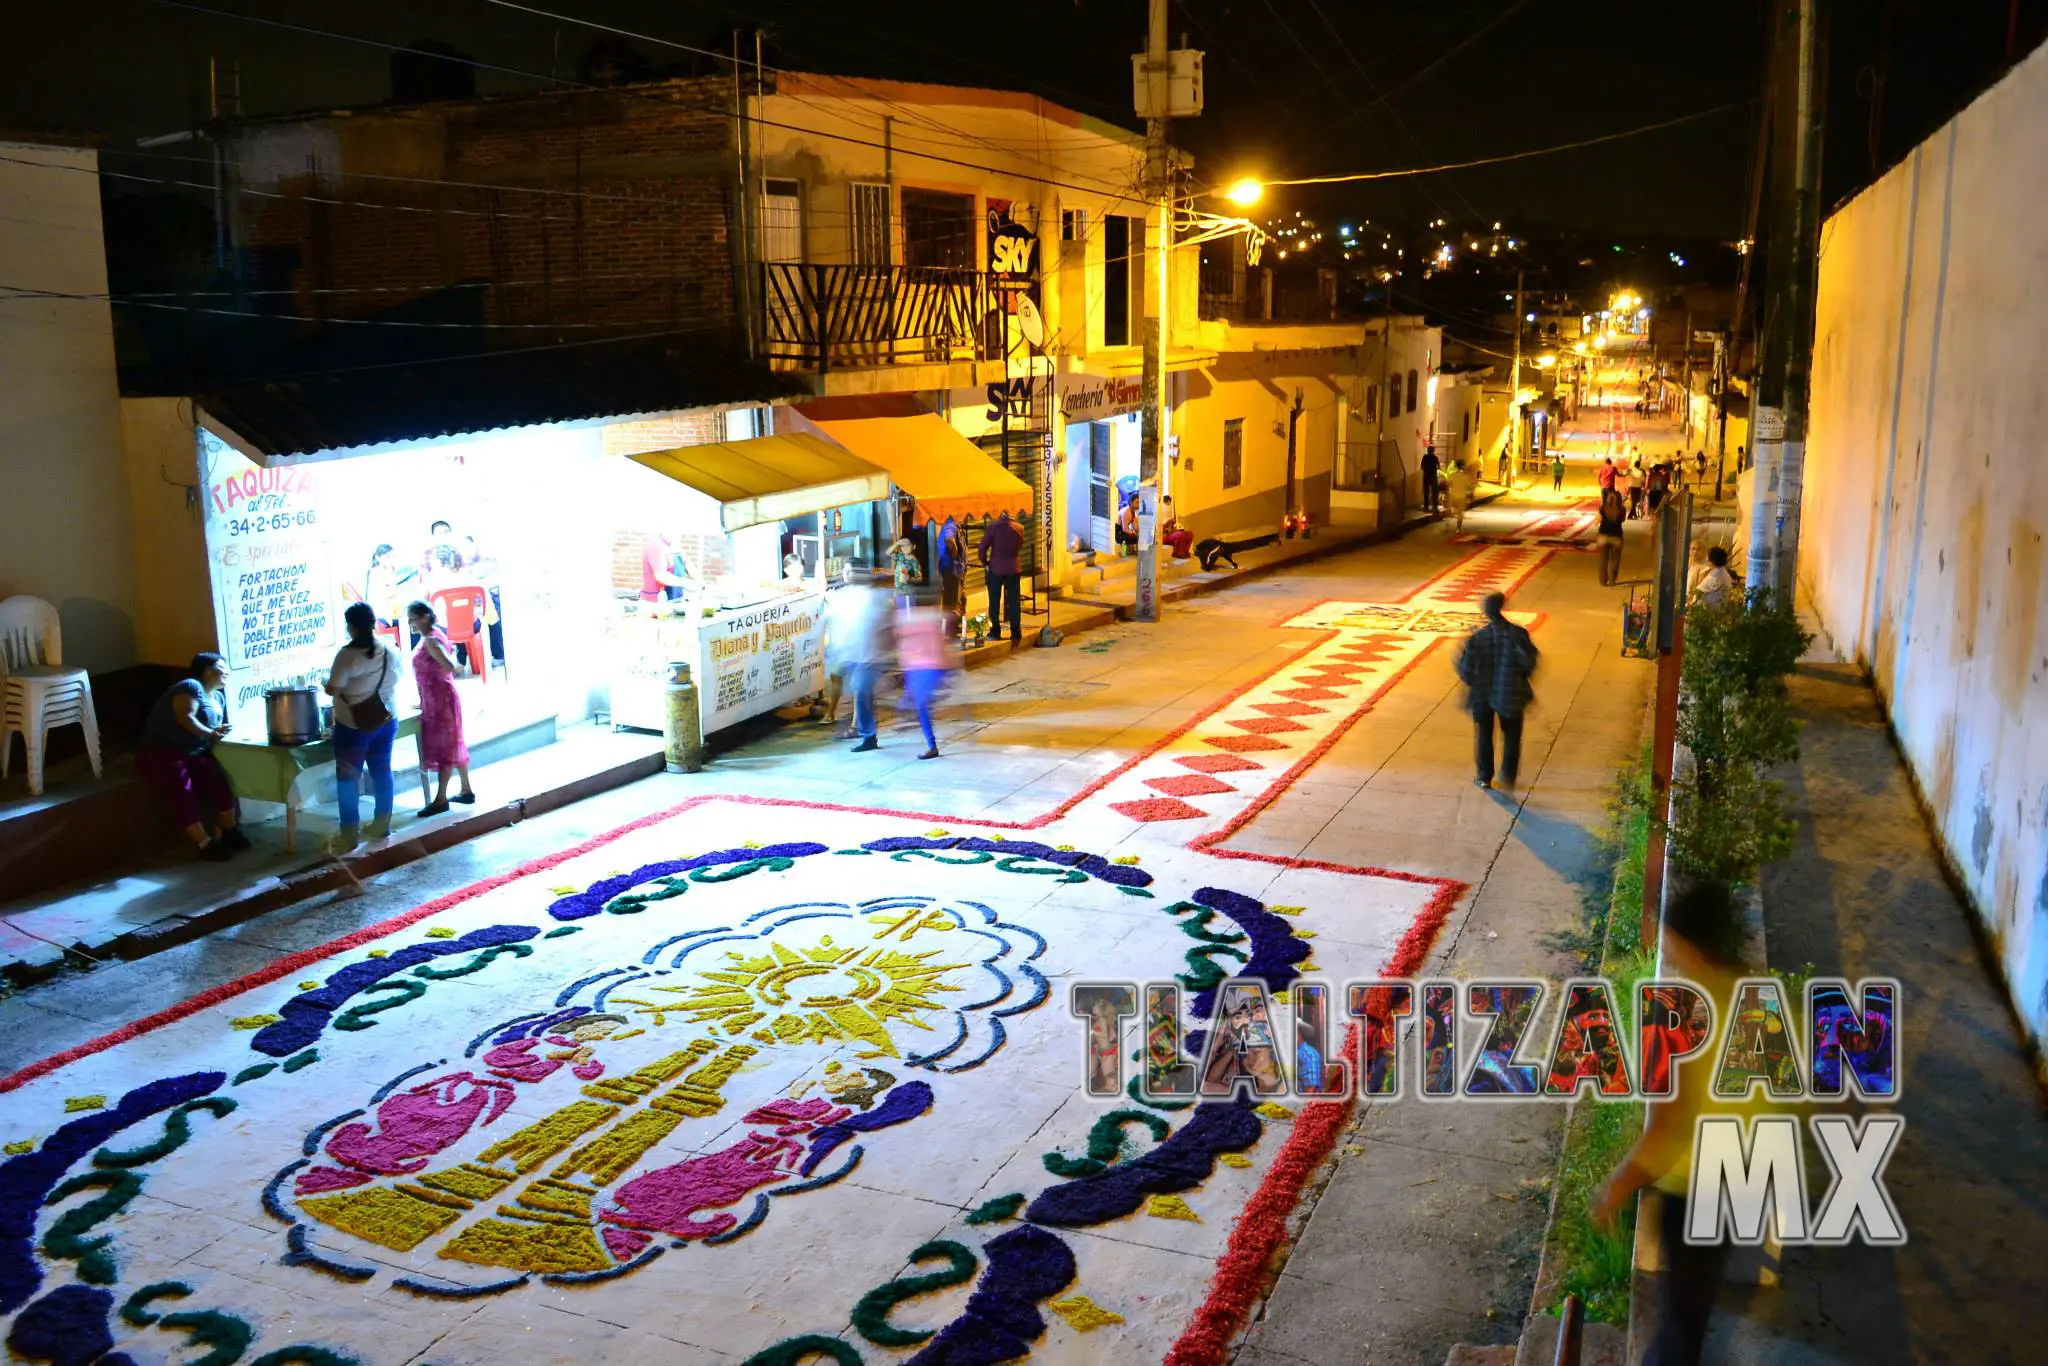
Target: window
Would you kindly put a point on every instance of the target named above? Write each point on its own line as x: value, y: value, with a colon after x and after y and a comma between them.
x: 1394, y: 394
x: 1412, y: 387
x: 1233, y: 452
x: 869, y: 225
x: 782, y: 221
x: 938, y: 229
x: 1372, y: 403
x: 1073, y: 225
x: 1123, y: 278
x: 1465, y: 428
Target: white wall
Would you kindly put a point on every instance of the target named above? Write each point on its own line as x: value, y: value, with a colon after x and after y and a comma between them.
x: 1926, y: 495
x: 64, y: 518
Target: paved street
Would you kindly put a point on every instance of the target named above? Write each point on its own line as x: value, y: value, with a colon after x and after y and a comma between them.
x: 1296, y: 741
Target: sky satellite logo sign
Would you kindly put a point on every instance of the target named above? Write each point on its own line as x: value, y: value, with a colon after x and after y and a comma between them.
x: 1746, y: 1163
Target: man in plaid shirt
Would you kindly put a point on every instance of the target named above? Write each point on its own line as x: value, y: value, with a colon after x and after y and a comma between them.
x: 1495, y: 665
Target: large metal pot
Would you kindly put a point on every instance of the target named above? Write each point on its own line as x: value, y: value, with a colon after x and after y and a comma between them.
x: 293, y: 715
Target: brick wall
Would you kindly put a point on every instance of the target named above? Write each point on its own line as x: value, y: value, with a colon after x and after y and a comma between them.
x: 604, y: 207
x: 663, y: 433
x: 708, y: 557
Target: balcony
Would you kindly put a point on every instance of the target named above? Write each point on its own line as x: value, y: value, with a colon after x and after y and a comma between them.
x: 822, y: 318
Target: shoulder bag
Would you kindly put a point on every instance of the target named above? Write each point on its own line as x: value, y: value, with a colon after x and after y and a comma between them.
x: 371, y: 713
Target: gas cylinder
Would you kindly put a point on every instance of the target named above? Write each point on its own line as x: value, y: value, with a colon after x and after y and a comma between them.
x: 682, y: 727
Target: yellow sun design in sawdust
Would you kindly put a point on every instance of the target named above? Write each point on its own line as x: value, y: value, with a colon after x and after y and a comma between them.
x: 825, y: 994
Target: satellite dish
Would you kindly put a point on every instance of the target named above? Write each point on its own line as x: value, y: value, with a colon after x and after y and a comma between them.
x: 1030, y: 323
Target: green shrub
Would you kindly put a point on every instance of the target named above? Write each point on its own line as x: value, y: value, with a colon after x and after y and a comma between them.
x: 1726, y: 818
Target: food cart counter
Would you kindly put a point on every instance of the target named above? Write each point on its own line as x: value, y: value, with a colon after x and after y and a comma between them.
x: 746, y: 659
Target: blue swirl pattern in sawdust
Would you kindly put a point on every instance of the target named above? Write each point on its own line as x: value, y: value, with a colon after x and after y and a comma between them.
x: 305, y: 1017
x: 593, y: 899
x: 1095, y: 865
x: 27, y: 1180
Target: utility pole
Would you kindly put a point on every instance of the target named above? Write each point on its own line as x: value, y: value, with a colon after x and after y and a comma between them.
x: 1778, y: 437
x: 1515, y: 392
x: 1720, y: 411
x: 1152, y: 424
x: 1685, y: 394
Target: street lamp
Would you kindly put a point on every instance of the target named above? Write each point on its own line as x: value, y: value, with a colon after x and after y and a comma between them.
x: 1245, y: 192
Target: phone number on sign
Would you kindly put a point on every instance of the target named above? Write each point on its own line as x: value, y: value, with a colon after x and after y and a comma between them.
x: 281, y: 521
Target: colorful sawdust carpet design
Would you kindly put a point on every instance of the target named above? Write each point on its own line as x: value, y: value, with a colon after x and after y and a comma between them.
x: 818, y: 1100
x: 696, y: 1096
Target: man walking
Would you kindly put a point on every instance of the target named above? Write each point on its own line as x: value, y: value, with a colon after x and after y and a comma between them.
x: 1557, y: 471
x: 1430, y: 466
x: 999, y: 547
x: 865, y: 622
x: 1495, y: 665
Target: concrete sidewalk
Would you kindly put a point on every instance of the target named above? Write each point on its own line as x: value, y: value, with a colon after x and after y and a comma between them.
x: 1863, y: 894
x: 1423, y: 1231
x: 1429, y: 1226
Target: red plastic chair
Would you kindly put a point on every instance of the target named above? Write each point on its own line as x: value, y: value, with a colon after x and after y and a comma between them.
x: 461, y: 612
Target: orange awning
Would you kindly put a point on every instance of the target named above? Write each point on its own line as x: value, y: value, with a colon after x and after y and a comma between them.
x: 947, y: 474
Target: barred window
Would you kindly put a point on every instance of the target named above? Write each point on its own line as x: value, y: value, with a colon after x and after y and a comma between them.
x: 1233, y: 452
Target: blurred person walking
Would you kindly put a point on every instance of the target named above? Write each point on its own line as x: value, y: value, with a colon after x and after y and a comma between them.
x: 922, y: 654
x: 1612, y: 514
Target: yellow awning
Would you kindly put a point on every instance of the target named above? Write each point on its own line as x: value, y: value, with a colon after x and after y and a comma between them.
x: 771, y: 478
x: 947, y: 474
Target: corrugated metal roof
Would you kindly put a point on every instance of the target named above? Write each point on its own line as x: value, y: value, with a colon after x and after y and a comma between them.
x: 378, y: 405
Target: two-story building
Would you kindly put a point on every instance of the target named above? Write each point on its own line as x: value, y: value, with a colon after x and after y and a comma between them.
x: 470, y: 325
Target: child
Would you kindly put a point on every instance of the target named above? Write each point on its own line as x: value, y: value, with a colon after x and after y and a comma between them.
x: 903, y: 564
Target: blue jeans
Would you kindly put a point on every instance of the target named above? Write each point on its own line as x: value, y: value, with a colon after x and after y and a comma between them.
x: 861, y: 678
x: 353, y: 750
x: 921, y: 686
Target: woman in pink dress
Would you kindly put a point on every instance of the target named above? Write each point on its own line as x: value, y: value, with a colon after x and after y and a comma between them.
x: 441, y: 744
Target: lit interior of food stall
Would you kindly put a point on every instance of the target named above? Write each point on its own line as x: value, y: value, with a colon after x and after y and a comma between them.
x: 700, y: 574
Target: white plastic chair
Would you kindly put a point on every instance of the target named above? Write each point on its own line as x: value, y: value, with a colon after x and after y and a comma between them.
x: 37, y: 693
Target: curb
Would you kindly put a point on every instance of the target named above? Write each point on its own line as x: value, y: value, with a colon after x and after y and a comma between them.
x: 1195, y: 588
x: 293, y: 886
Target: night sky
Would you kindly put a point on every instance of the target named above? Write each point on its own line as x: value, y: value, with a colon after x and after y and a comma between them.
x: 1295, y: 87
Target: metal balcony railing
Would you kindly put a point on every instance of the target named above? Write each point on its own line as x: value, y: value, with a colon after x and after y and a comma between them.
x: 816, y: 317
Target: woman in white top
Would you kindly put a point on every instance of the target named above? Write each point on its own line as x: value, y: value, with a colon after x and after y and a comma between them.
x: 364, y: 686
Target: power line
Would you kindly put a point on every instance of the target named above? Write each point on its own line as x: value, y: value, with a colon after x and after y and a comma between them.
x: 12, y: 292
x: 1397, y: 173
x: 629, y: 92
x: 916, y: 116
x: 1381, y: 101
x: 1430, y: 68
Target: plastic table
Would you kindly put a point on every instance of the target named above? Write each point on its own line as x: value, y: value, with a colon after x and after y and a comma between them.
x: 270, y: 773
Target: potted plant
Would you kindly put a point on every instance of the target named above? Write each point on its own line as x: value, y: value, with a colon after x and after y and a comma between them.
x: 977, y: 629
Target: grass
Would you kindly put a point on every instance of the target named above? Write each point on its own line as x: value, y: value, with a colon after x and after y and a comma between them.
x: 1595, y: 1265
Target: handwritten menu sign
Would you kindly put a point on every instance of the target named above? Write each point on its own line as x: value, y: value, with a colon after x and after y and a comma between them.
x: 274, y: 599
x: 758, y: 658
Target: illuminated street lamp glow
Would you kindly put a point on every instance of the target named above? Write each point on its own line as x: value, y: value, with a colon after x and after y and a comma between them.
x: 1245, y: 192
x: 1545, y: 362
